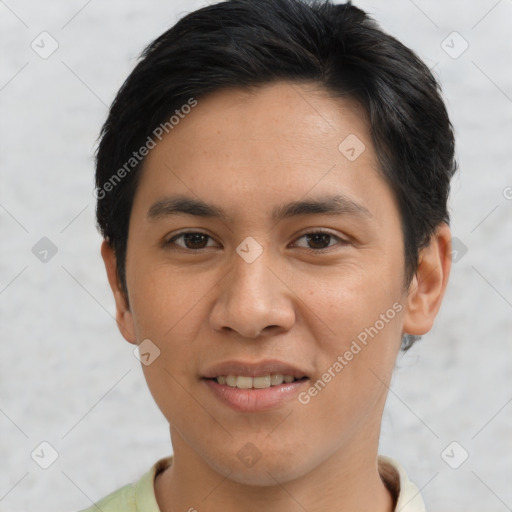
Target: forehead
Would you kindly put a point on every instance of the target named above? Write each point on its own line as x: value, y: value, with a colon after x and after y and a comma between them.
x: 280, y: 141
x: 294, y: 112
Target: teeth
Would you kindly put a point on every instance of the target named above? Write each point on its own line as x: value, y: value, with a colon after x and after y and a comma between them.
x: 244, y: 382
x: 276, y: 379
x: 261, y: 382
x: 230, y: 381
x: 265, y: 381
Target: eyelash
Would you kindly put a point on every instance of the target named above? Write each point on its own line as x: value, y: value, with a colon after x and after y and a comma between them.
x: 341, y: 241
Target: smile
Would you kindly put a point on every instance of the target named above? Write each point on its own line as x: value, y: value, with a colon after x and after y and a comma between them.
x: 262, y: 382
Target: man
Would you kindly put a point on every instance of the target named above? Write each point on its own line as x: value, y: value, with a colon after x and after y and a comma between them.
x: 272, y: 182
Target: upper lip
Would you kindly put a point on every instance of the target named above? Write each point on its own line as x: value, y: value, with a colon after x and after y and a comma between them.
x: 253, y: 369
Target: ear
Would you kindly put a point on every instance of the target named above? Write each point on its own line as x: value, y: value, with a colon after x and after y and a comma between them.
x: 427, y: 288
x: 124, y: 317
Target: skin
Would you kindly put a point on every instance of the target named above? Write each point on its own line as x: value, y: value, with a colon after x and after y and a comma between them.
x: 247, y: 153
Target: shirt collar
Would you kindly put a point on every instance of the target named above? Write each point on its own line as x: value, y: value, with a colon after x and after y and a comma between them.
x: 406, y: 494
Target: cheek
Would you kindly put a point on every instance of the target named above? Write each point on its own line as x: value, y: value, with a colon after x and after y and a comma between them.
x: 166, y: 305
x: 358, y: 319
x: 170, y: 309
x: 348, y: 299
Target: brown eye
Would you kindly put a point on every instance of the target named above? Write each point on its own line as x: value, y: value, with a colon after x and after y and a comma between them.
x: 318, y: 240
x: 190, y: 240
x: 195, y: 240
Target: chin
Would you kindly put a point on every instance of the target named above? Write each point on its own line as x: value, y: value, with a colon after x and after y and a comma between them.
x: 253, y: 468
x: 263, y: 476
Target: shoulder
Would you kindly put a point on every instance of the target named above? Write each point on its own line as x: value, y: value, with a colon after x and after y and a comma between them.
x: 134, y: 497
x: 122, y: 500
x: 407, y: 495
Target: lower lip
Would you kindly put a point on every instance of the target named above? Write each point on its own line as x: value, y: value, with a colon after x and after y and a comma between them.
x: 254, y: 400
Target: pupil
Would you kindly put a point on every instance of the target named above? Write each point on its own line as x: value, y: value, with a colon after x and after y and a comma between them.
x: 322, y: 239
x: 195, y: 240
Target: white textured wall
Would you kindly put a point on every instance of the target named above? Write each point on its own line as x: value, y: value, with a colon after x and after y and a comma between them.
x: 66, y: 375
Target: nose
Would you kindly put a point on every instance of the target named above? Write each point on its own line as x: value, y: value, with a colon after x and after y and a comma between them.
x: 253, y: 300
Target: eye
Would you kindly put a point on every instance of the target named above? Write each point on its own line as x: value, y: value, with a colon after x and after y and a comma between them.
x: 318, y: 241
x: 192, y: 240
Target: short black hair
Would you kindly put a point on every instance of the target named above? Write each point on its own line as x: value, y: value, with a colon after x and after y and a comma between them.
x: 252, y: 43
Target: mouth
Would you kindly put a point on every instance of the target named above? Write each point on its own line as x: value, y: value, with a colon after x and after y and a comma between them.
x: 253, y: 387
x: 262, y: 382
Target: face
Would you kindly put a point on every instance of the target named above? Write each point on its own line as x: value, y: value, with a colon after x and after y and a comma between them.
x: 264, y: 247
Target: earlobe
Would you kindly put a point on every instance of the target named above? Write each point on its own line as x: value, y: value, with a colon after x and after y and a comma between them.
x: 124, y: 317
x: 428, y: 286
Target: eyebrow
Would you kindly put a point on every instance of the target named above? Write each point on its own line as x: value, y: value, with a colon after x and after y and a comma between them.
x: 325, y: 205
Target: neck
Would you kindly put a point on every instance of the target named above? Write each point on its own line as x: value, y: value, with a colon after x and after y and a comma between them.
x: 348, y: 480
